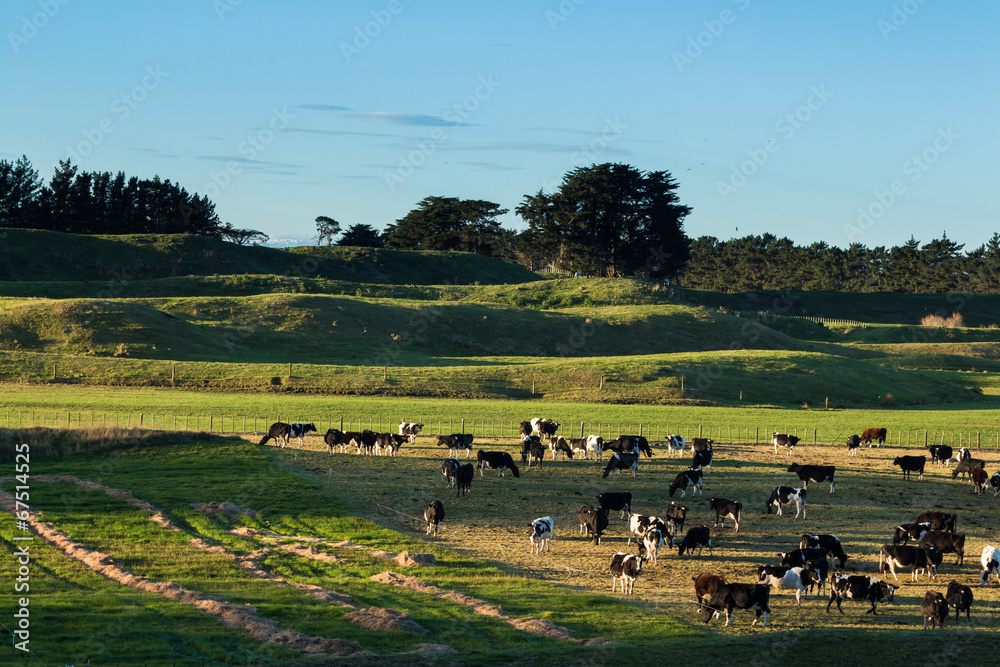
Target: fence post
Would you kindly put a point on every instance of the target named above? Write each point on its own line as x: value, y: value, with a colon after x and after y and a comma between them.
x: 699, y: 430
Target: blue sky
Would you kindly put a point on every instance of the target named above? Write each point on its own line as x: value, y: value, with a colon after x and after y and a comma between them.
x: 865, y: 121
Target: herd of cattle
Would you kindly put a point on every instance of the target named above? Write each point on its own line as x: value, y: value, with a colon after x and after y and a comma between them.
x: 933, y: 534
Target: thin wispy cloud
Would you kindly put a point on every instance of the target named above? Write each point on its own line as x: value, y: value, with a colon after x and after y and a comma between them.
x: 340, y: 133
x: 320, y: 107
x: 153, y: 152
x: 489, y: 166
x: 402, y: 118
x: 250, y: 164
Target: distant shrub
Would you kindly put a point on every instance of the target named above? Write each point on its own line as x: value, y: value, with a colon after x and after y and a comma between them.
x: 275, y: 381
x: 889, y: 401
x: 955, y: 320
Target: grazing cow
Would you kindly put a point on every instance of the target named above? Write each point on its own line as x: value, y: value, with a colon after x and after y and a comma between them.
x: 697, y: 536
x: 332, y: 438
x: 705, y: 584
x: 853, y: 442
x: 794, y: 578
x: 544, y: 427
x: 906, y: 532
x: 959, y: 596
x: 455, y: 442
x: 450, y: 470
x: 876, y: 434
x: 702, y: 461
x: 991, y: 565
x: 980, y: 480
x: 961, y: 454
x: 629, y: 443
x: 541, y: 535
x: 593, y: 521
x: 282, y: 432
x: 726, y: 509
x: 939, y: 520
x: 801, y: 557
x: 675, y: 443
x: 910, y: 464
x: 410, y: 429
x: 814, y: 473
x: 620, y: 501
x: 858, y: 587
x: 560, y: 444
x: 639, y: 525
x: 621, y: 461
x: 434, y: 515
x: 595, y: 445
x: 786, y: 495
x: 701, y: 444
x: 820, y: 573
x: 831, y: 543
x: 464, y: 478
x: 685, y: 479
x: 966, y: 466
x: 578, y: 446
x: 532, y: 450
x: 651, y: 543
x: 499, y: 461
x: 738, y: 596
x: 934, y: 558
x: 625, y: 567
x: 675, y: 518
x: 389, y: 443
x: 946, y: 542
x: 934, y: 608
x: 784, y: 440
x: 940, y: 454
x: 904, y: 557
x: 995, y: 483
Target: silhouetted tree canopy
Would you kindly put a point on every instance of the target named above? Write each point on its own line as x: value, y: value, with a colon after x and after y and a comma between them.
x: 447, y: 223
x: 362, y: 235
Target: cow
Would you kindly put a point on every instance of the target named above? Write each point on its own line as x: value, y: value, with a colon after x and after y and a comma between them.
x: 532, y: 450
x: 980, y: 480
x: 595, y: 445
x: 593, y: 522
x: 904, y: 557
x: 621, y: 461
x: 853, y: 442
x: 410, y: 429
x: 389, y: 443
x: 940, y: 454
x: 434, y: 515
x: 629, y: 443
x: 934, y: 558
x: 995, y: 483
x: 620, y: 501
x: 625, y: 567
x: 499, y: 461
x: 801, y: 557
x: 738, y: 596
x: 959, y: 596
x: 821, y: 572
x: 705, y: 584
x: 814, y: 473
x: 675, y: 515
x: 544, y: 427
x: 697, y: 536
x: 560, y: 444
x: 449, y: 468
x: 282, y: 432
x: 685, y: 479
x: 675, y: 443
x: 364, y: 440
x: 831, y: 543
x: 859, y: 587
x: 966, y: 466
x: 910, y: 464
x: 991, y: 565
x: 876, y: 434
x: 640, y: 524
x: 794, y: 578
x: 946, y: 542
x: 726, y: 509
x: 961, y: 454
x: 541, y: 535
x: 910, y: 531
x: 934, y: 608
x: 651, y: 543
x: 702, y: 461
x: 526, y: 429
x: 578, y: 446
x: 455, y: 442
x: 784, y: 440
x: 332, y: 438
x: 701, y: 444
x: 786, y: 495
x: 463, y: 479
x: 939, y: 520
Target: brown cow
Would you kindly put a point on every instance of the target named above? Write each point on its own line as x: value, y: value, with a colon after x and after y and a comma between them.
x: 705, y: 585
x: 869, y: 434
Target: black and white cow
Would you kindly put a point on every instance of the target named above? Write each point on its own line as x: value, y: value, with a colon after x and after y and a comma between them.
x: 784, y: 440
x: 449, y: 468
x: 738, y: 596
x: 640, y: 524
x: 906, y: 532
x: 904, y: 557
x: 966, y: 466
x: 786, y: 495
x: 620, y: 501
x: 702, y: 461
x: 939, y: 520
x: 593, y: 521
x: 410, y: 429
x: 793, y: 578
x: 541, y: 535
x: 630, y: 443
x: 625, y: 568
x: 499, y: 461
x: 651, y: 543
x: 363, y: 441
x: 809, y: 473
x: 995, y: 483
x: 455, y: 442
x: 910, y: 464
x: 858, y: 587
x: 595, y: 446
x: 332, y: 438
x: 526, y: 429
x: 282, y: 432
x: 532, y: 450
x: 560, y: 444
x: 991, y: 565
x: 726, y: 509
x: 697, y: 537
x: 621, y: 461
x: 959, y: 596
x: 961, y: 454
x: 687, y: 479
x: 544, y: 427
x: 831, y: 543
x: 578, y: 446
x: 701, y: 444
x: 675, y: 516
x: 934, y: 608
x: 463, y: 479
x: 388, y: 444
x: 946, y: 542
x: 801, y: 557
x: 434, y: 515
x: 675, y: 444
x: 853, y: 442
x: 940, y: 454
x: 821, y: 572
